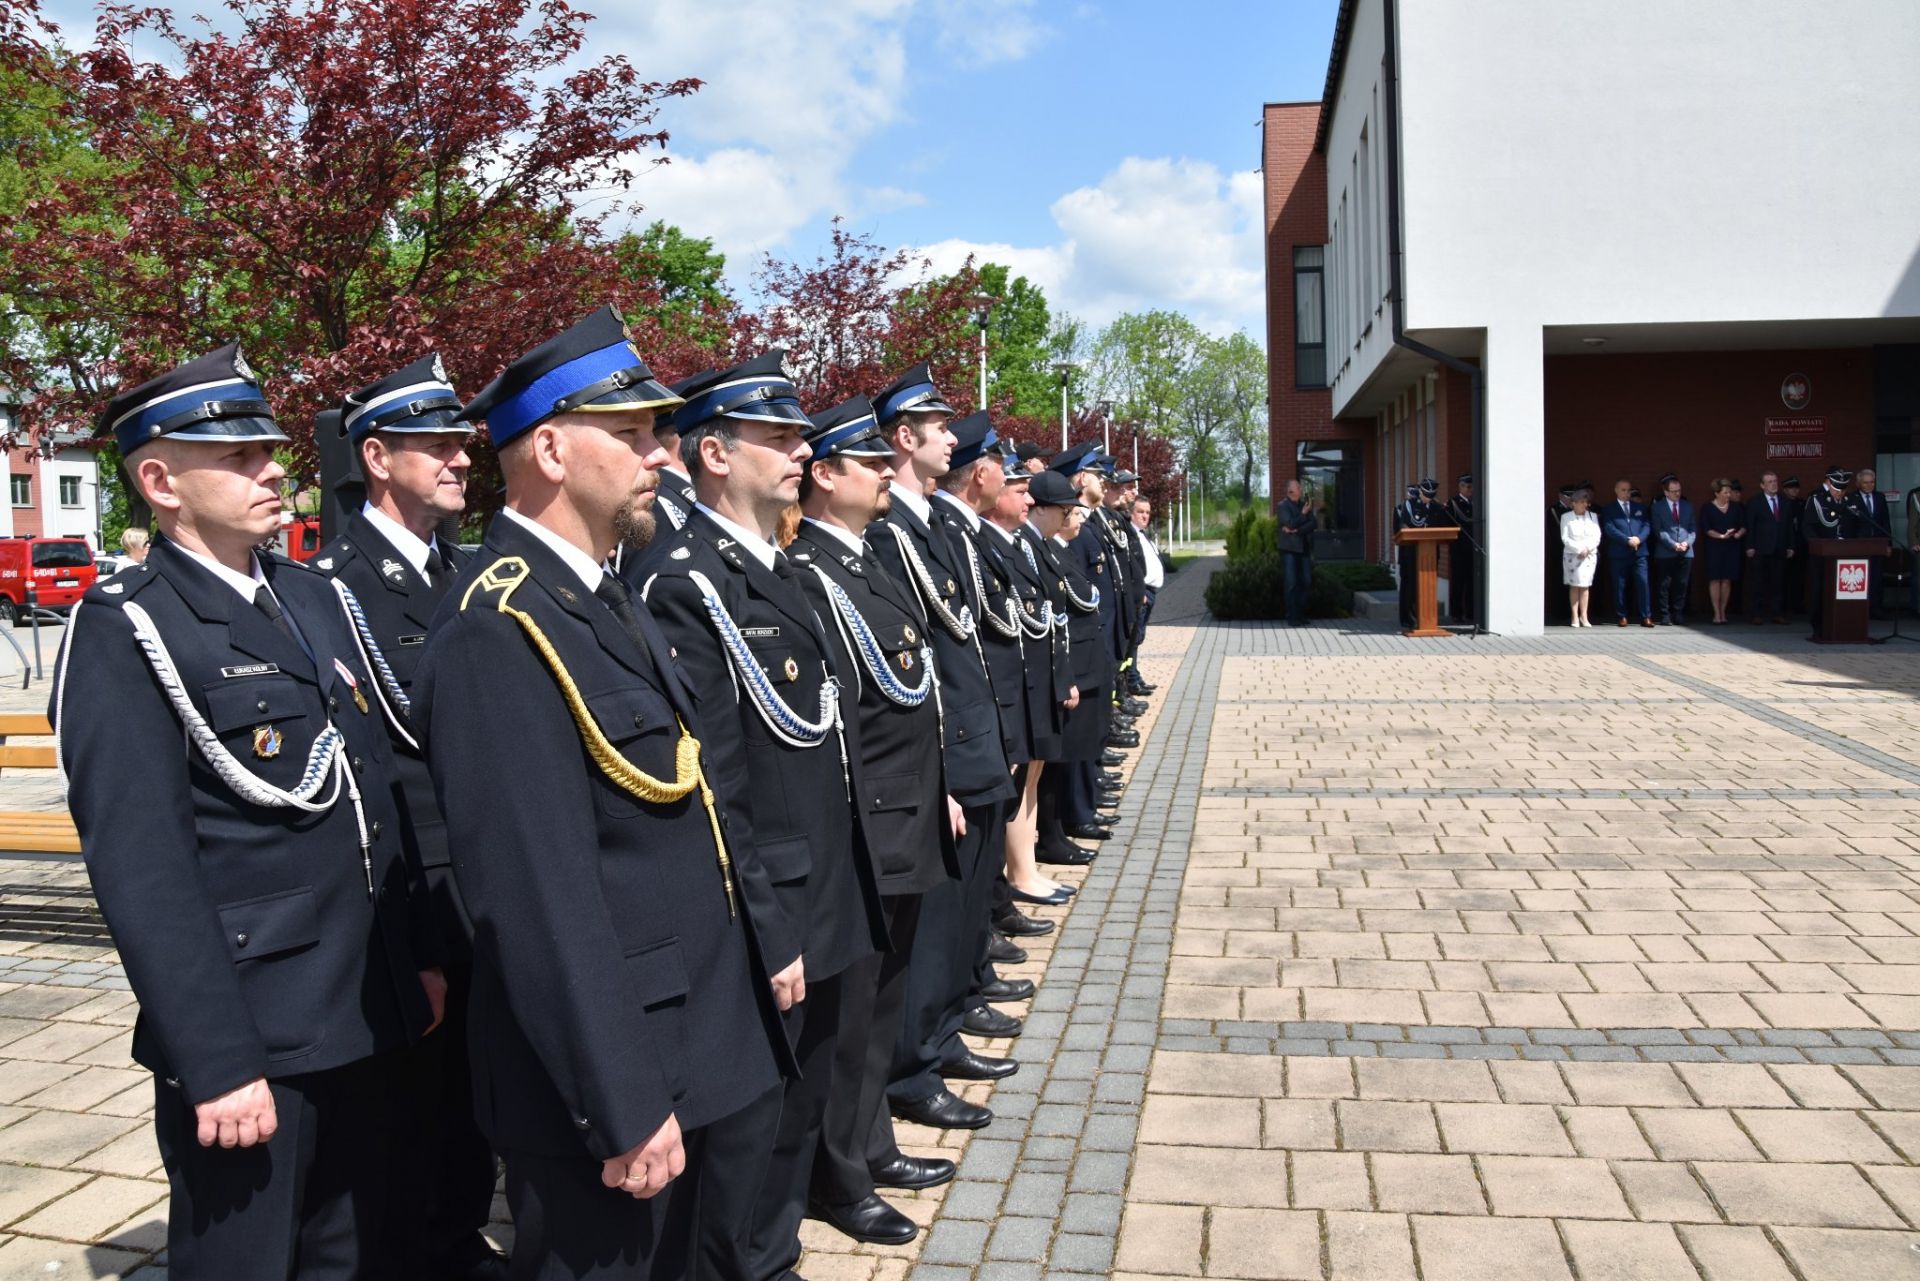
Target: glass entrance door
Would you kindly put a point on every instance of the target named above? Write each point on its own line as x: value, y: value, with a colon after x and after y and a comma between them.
x: 1330, y: 471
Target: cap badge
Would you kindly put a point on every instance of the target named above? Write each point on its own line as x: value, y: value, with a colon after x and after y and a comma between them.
x: 440, y: 368
x: 792, y: 670
x: 266, y: 742
x: 241, y: 367
x: 787, y: 370
x: 626, y: 331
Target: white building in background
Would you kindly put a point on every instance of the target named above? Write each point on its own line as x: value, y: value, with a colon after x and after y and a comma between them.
x: 1672, y: 235
x: 56, y: 495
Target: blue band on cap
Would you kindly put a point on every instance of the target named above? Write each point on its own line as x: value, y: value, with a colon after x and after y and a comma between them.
x: 974, y: 453
x: 897, y: 403
x: 742, y: 396
x: 535, y: 402
x: 842, y: 434
x: 138, y: 425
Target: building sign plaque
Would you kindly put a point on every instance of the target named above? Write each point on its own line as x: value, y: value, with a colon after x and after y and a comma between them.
x: 1795, y: 437
x: 1850, y: 580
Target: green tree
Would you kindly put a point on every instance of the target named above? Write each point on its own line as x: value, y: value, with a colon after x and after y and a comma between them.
x: 1236, y: 371
x: 1018, y: 358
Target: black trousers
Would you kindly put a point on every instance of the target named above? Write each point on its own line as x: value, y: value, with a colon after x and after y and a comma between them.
x: 1671, y: 577
x: 737, y: 1152
x: 953, y: 936
x: 815, y: 1026
x: 568, y: 1225
x: 1409, y: 592
x: 1768, y: 583
x: 446, y: 1170
x: 873, y: 994
x: 1462, y: 588
x: 309, y: 1203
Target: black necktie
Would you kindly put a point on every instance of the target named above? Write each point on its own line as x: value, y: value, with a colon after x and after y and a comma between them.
x: 434, y: 567
x: 618, y: 599
x: 264, y: 602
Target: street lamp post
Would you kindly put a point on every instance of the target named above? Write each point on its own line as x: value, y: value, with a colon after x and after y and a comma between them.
x: 983, y: 310
x: 1065, y: 369
x: 1106, y: 426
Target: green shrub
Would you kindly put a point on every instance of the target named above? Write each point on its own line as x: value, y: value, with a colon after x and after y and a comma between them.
x: 1250, y: 535
x: 1356, y: 575
x: 1249, y: 588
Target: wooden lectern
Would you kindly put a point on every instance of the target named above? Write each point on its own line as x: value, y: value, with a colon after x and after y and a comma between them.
x: 1427, y: 573
x: 1846, y: 574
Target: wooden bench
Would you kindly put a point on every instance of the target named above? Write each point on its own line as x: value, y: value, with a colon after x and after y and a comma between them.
x: 40, y: 831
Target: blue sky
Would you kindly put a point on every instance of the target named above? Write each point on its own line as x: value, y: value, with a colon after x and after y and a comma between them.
x: 1108, y: 149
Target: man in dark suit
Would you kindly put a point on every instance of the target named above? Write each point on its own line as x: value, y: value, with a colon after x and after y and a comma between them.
x: 413, y: 456
x: 1673, y: 539
x: 750, y: 645
x: 620, y: 1002
x: 1419, y: 511
x: 1871, y: 519
x: 1770, y: 546
x: 922, y: 553
x: 251, y: 870
x: 906, y: 820
x: 1559, y: 608
x: 1293, y: 533
x: 1626, y: 531
x: 1463, y: 558
x: 1090, y: 551
x: 1796, y: 577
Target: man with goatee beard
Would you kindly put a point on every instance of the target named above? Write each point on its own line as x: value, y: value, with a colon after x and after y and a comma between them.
x: 619, y: 1007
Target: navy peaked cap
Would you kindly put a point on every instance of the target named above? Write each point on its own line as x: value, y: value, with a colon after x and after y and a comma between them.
x: 973, y: 439
x: 758, y: 390
x: 849, y: 429
x: 911, y: 393
x: 415, y: 399
x: 214, y: 397
x: 1071, y: 462
x: 1051, y: 489
x: 591, y: 368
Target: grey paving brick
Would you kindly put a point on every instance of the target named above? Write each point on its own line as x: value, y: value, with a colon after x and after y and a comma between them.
x: 1443, y: 1034
x: 1902, y: 1058
x: 1648, y: 1036
x: 1861, y: 1036
x: 1020, y: 1239
x: 1906, y: 1040
x: 1568, y: 1036
x: 954, y: 1241
x: 1484, y: 1051
x: 987, y: 1158
x: 1378, y: 1032
x: 1081, y: 1252
x: 1101, y: 1172
x: 1408, y: 1050
x: 1314, y: 1031
x: 1680, y: 1053
x: 970, y: 1199
x: 1110, y: 1133
x: 1844, y: 1054
x: 1603, y: 1053
x: 1097, y: 1212
x: 1801, y: 1036
x: 1710, y: 1036
x: 1746, y: 1036
x: 1293, y: 1045
x: 1354, y: 1049
x: 1762, y: 1054
x: 1003, y: 1271
x: 1505, y: 1035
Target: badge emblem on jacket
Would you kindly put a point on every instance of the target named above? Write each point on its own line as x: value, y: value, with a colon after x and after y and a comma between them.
x: 266, y: 742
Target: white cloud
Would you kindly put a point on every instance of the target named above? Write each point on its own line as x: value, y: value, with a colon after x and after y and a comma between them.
x: 1151, y: 233
x: 979, y: 33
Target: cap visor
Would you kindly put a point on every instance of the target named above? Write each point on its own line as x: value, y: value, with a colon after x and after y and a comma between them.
x: 440, y: 422
x: 874, y: 446
x: 775, y: 411
x: 223, y: 429
x: 645, y: 394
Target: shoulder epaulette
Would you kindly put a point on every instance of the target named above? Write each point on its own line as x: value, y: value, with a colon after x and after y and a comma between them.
x: 495, y: 586
x: 122, y: 586
x: 334, y: 556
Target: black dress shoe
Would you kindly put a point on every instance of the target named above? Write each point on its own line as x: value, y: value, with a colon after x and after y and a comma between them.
x: 1002, y: 950
x: 1090, y: 832
x: 1141, y: 687
x: 1054, y: 899
x: 1106, y: 818
x: 912, y: 1172
x: 476, y: 1260
x: 1111, y: 757
x: 1123, y: 738
x: 984, y: 1020
x: 1019, y: 925
x: 943, y: 1111
x: 868, y: 1219
x: 1110, y: 779
x: 978, y: 1067
x: 1007, y: 990
x: 1133, y: 707
x: 1072, y: 856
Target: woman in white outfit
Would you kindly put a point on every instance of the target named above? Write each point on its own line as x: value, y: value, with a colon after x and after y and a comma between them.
x: 1579, y: 553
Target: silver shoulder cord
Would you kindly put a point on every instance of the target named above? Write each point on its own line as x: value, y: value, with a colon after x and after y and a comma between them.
x: 326, y: 760
x: 782, y: 721
x: 961, y: 625
x: 393, y: 700
x: 861, y: 641
x: 1084, y: 606
x: 1820, y: 514
x: 1009, y: 626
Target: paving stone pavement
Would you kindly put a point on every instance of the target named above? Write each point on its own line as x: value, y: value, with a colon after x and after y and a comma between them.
x: 1584, y: 956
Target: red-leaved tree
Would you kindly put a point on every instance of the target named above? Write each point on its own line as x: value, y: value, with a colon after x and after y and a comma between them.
x: 338, y: 186
x: 855, y: 318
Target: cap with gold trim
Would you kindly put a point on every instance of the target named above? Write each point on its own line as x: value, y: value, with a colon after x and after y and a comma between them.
x: 214, y: 397
x: 592, y: 368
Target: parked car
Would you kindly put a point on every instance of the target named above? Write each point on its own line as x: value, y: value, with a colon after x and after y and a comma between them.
x: 60, y: 569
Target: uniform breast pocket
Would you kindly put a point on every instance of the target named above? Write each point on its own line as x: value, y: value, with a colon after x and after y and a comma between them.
x: 643, y: 728
x: 265, y: 722
x: 782, y: 667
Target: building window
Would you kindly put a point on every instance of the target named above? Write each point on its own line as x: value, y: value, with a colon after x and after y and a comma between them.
x: 22, y: 490
x: 69, y: 491
x: 1309, y: 316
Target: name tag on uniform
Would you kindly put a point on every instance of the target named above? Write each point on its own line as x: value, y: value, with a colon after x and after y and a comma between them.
x: 421, y: 639
x: 251, y: 669
x: 760, y: 633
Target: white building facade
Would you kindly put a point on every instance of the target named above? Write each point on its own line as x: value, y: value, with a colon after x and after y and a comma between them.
x: 1640, y: 221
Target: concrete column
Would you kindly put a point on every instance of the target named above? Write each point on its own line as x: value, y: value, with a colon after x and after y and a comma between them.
x: 1513, y: 490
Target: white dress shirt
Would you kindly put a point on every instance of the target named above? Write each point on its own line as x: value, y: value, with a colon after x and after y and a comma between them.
x: 402, y: 538
x: 590, y: 570
x: 761, y: 549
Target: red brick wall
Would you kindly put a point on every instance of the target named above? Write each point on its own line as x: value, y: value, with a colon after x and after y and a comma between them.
x: 24, y: 462
x: 1296, y: 214
x: 1698, y: 414
x: 1455, y: 403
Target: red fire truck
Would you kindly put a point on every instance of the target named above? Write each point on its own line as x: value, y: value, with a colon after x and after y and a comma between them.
x: 60, y: 569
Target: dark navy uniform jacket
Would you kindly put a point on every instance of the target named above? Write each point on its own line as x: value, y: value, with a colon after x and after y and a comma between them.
x: 247, y: 931
x: 814, y: 892
x: 899, y: 777
x: 1130, y: 570
x: 1088, y: 555
x: 1049, y: 661
x: 1085, y: 730
x: 611, y: 985
x: 977, y: 771
x: 399, y: 605
x: 987, y: 593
